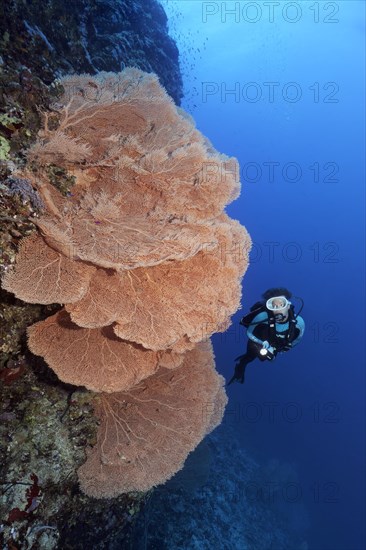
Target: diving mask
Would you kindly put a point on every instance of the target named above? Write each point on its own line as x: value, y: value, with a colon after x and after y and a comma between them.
x: 279, y: 305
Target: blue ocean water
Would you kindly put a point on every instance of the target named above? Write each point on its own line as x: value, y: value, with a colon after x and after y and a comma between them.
x: 280, y: 86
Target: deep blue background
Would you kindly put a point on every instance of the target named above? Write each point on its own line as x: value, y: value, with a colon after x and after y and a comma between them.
x: 317, y: 390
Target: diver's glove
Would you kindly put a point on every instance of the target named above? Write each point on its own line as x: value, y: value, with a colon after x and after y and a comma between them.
x: 266, y: 345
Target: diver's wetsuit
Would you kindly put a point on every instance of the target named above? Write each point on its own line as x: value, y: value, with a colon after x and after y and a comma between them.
x: 258, y: 332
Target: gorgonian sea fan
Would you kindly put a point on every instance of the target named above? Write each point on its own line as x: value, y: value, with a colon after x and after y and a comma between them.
x: 145, y: 261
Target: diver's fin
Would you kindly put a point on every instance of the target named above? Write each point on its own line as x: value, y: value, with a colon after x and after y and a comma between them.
x: 231, y: 380
x: 239, y: 373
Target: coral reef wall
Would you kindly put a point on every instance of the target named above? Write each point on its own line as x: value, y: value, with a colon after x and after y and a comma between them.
x: 87, y: 36
x: 224, y: 499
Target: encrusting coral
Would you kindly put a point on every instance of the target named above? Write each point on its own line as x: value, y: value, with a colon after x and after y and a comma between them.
x: 145, y: 261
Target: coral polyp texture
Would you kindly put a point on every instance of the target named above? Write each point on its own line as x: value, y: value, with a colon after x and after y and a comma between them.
x: 146, y: 434
x: 99, y: 359
x: 144, y: 259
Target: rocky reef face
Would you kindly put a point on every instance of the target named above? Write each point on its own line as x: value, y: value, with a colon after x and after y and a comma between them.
x: 45, y: 425
x: 87, y: 36
x: 225, y: 499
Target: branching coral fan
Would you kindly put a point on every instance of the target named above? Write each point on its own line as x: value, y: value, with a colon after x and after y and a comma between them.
x: 147, y: 433
x: 147, y: 265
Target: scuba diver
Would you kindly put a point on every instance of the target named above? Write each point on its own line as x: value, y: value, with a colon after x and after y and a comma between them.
x: 272, y: 328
